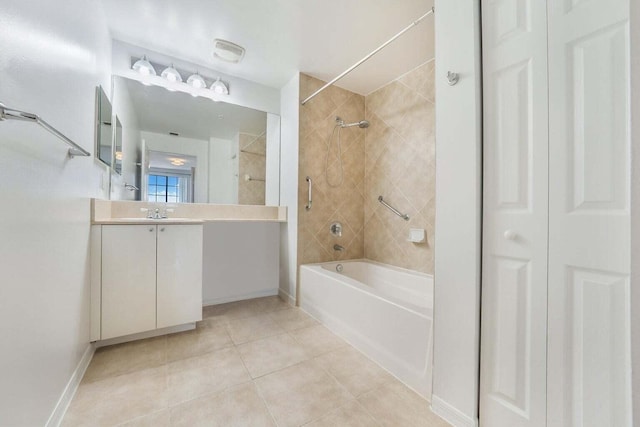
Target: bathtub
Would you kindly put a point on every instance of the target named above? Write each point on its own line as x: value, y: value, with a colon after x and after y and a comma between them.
x: 384, y: 311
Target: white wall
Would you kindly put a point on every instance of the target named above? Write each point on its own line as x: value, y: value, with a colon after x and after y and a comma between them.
x: 187, y: 146
x: 53, y: 56
x: 290, y: 104
x: 131, y: 144
x: 272, y: 173
x: 241, y: 92
x: 458, y: 204
x: 241, y: 261
x: 635, y: 207
x: 222, y: 171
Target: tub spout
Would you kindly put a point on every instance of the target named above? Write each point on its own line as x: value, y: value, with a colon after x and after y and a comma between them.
x: 337, y: 247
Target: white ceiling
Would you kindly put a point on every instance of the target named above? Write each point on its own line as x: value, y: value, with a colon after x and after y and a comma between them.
x: 162, y: 160
x: 161, y: 111
x: 318, y: 37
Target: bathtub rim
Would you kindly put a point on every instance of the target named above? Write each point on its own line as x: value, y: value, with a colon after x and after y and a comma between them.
x: 424, y: 311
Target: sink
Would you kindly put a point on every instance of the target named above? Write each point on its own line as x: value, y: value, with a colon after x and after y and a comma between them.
x: 139, y: 219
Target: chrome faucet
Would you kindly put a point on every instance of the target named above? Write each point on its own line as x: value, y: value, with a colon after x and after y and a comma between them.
x: 156, y: 214
x: 337, y: 247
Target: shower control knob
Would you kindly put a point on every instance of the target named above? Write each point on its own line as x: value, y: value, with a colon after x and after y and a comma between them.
x: 510, y: 235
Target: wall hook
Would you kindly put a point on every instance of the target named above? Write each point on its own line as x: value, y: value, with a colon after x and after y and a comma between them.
x: 452, y: 78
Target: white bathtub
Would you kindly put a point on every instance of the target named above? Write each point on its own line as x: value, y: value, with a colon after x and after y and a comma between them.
x: 384, y: 311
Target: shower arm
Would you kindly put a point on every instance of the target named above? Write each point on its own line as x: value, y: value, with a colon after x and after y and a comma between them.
x: 366, y: 58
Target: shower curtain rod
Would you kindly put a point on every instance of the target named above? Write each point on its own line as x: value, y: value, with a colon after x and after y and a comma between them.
x: 357, y: 64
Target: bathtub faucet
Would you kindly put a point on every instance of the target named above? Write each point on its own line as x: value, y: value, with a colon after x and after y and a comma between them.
x: 337, y: 247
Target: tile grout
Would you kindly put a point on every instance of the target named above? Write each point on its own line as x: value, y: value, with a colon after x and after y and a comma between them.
x: 309, y: 357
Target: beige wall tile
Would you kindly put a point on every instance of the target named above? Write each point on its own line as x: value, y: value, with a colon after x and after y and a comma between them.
x: 344, y: 202
x: 394, y: 157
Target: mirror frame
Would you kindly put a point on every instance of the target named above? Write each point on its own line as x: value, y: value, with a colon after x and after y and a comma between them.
x: 116, y: 146
x: 100, y: 97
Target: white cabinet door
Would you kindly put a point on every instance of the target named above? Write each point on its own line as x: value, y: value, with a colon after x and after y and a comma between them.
x: 179, y: 276
x: 514, y: 284
x: 128, y: 279
x: 589, y: 223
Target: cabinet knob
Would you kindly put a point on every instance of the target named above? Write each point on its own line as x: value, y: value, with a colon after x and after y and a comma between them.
x: 510, y: 235
x: 162, y: 229
x: 151, y: 229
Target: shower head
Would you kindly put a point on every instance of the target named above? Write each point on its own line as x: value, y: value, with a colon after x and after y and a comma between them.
x: 362, y: 124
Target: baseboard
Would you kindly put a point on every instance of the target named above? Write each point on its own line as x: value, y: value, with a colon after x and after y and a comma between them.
x: 451, y: 414
x: 286, y: 297
x: 240, y: 297
x: 149, y: 334
x: 70, y: 390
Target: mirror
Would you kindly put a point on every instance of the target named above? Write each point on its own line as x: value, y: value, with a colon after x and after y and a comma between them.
x: 117, y: 151
x: 104, y: 136
x: 192, y: 149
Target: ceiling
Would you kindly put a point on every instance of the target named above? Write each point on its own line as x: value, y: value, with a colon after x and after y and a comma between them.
x: 162, y: 160
x: 317, y: 37
x: 161, y: 111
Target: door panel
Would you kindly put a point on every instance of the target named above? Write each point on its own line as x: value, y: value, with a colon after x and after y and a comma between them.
x: 514, y: 285
x: 589, y: 252
x: 179, y: 274
x: 128, y: 279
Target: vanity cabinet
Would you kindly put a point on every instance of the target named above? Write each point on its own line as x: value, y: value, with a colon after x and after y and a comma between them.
x: 128, y: 279
x: 179, y: 274
x: 151, y: 277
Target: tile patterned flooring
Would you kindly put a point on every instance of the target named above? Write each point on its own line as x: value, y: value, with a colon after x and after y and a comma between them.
x: 250, y: 363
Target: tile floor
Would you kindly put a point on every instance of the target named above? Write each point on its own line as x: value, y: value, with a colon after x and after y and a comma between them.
x: 251, y: 363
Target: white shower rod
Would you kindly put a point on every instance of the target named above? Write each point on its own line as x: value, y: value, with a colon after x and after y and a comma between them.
x: 357, y: 64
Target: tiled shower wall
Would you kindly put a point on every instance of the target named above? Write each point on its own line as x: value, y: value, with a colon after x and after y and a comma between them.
x: 344, y: 203
x: 252, y: 162
x: 400, y: 166
x: 394, y: 158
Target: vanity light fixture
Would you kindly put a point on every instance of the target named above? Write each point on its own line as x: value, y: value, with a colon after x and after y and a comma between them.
x: 171, y: 74
x: 196, y: 81
x: 144, y: 67
x: 220, y: 87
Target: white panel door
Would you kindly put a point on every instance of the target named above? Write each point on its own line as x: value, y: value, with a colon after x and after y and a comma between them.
x: 589, y: 257
x: 514, y: 283
x: 128, y: 279
x: 179, y: 276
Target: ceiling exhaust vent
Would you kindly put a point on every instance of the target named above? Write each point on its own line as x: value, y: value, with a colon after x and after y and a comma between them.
x: 227, y: 51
